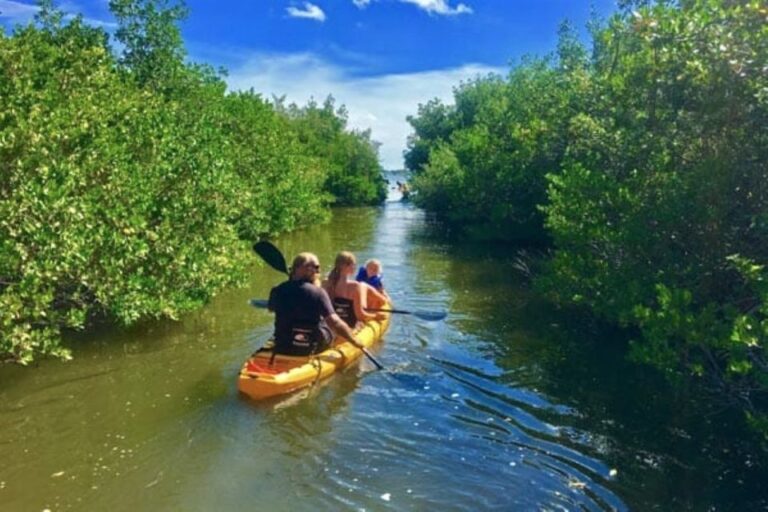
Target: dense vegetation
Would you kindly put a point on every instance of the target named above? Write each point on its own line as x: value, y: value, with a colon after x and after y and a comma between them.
x: 129, y: 183
x: 645, y: 165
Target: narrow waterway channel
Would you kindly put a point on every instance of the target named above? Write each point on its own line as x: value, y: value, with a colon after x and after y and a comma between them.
x: 505, y: 405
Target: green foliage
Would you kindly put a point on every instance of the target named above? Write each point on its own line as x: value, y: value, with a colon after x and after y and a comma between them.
x: 129, y: 188
x: 153, y: 47
x: 48, y: 17
x: 102, y: 210
x: 279, y: 179
x: 646, y: 166
x: 350, y: 158
x: 664, y: 180
x: 433, y: 125
x: 505, y: 135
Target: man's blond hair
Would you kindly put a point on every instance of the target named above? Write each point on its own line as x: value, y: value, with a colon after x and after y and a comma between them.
x: 302, y: 259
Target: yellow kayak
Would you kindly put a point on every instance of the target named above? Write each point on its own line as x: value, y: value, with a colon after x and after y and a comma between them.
x: 261, y: 378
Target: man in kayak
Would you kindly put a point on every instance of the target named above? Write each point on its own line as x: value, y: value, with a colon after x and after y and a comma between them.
x: 304, y: 317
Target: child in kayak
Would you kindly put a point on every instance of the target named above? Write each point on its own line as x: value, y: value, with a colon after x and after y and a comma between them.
x: 371, y: 274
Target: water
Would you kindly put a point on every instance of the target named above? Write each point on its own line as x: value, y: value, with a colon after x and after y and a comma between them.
x: 505, y: 405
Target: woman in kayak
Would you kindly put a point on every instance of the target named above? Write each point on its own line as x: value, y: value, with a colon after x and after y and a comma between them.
x: 351, y: 298
x: 305, y: 319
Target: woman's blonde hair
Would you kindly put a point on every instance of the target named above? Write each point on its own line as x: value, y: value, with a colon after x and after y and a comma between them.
x: 343, y: 259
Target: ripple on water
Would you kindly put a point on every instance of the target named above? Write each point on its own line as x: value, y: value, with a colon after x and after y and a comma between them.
x: 458, y: 440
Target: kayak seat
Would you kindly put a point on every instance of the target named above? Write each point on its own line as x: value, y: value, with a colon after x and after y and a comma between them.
x: 262, y: 367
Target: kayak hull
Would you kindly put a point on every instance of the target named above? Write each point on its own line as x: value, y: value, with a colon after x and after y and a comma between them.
x: 261, y: 377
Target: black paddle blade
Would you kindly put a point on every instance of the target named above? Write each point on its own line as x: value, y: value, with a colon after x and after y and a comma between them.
x: 271, y: 255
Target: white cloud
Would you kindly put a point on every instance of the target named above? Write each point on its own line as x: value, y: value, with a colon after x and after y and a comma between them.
x: 430, y: 6
x: 310, y: 11
x: 17, y: 11
x: 106, y: 25
x: 439, y: 7
x: 379, y: 102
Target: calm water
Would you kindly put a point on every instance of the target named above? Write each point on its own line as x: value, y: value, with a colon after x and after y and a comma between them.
x: 506, y: 405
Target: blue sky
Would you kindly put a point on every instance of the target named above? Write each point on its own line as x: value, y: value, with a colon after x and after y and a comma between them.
x: 380, y: 58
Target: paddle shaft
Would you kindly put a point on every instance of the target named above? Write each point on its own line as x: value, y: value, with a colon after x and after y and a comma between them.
x: 424, y: 315
x: 370, y: 356
x: 380, y: 310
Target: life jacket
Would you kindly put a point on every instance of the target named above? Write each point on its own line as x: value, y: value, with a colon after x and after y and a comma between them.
x: 375, y: 281
x: 305, y: 339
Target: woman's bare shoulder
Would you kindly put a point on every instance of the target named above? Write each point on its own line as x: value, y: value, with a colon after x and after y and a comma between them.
x: 351, y: 289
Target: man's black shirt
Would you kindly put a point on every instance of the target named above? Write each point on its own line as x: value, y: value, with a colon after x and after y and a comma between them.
x: 300, y: 307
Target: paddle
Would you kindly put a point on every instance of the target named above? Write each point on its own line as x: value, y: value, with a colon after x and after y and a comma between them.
x: 275, y: 259
x: 431, y: 316
x: 264, y: 304
x: 426, y: 315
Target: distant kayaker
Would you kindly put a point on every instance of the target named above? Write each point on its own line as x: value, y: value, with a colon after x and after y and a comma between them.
x: 351, y: 298
x: 304, y: 316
